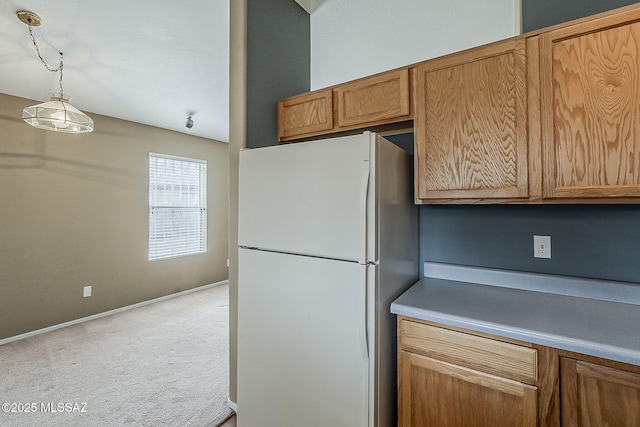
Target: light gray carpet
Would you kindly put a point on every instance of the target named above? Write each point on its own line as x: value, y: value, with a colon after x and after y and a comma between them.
x: 164, y: 364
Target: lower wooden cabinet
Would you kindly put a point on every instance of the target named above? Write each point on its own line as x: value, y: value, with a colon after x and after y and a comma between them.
x: 437, y: 393
x: 450, y: 377
x: 594, y: 395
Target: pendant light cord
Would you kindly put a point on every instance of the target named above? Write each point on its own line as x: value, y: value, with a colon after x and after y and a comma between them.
x: 60, y: 67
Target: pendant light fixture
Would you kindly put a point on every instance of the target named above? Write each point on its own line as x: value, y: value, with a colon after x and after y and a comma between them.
x: 56, y: 114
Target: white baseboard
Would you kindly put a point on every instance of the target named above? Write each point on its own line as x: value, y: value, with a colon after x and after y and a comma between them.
x: 232, y: 405
x: 108, y: 313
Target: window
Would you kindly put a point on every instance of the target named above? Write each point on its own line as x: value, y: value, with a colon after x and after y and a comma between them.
x: 177, y: 206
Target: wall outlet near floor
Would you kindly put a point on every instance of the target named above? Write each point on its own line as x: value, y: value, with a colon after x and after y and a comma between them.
x: 86, y: 291
x: 542, y: 246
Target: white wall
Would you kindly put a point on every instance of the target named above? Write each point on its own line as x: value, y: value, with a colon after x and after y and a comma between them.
x: 356, y: 38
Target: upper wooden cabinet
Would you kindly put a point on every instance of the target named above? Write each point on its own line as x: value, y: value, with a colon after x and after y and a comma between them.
x: 374, y: 100
x: 545, y: 117
x: 378, y: 100
x: 590, y: 85
x: 471, y: 124
x: 305, y: 115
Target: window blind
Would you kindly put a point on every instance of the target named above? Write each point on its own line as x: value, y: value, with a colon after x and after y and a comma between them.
x: 177, y: 206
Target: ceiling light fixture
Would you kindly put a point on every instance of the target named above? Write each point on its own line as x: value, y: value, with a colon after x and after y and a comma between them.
x: 56, y: 114
x: 189, y: 123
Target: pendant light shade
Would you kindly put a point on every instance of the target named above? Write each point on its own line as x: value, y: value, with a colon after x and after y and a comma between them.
x: 58, y: 115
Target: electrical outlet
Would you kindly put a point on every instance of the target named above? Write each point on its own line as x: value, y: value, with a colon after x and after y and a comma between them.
x: 86, y: 291
x: 542, y: 246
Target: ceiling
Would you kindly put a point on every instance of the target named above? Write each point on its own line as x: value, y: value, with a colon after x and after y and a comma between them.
x: 149, y: 61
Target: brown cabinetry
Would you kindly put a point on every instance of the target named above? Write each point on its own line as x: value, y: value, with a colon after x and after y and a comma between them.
x: 590, y: 85
x: 451, y: 378
x: 373, y: 101
x: 305, y: 115
x: 437, y: 393
x: 471, y: 124
x: 559, y: 117
x: 597, y: 395
x: 551, y: 116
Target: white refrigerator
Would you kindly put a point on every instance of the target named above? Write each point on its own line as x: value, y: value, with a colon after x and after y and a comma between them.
x: 328, y: 237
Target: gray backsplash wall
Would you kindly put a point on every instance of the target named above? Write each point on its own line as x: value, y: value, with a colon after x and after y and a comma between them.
x: 595, y: 241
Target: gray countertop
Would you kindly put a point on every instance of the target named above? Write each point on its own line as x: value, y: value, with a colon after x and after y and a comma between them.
x: 582, y: 324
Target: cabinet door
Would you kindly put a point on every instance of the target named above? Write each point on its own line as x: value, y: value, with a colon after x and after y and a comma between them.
x: 594, y: 395
x: 305, y: 115
x: 379, y: 99
x: 590, y: 86
x: 471, y: 124
x: 440, y: 394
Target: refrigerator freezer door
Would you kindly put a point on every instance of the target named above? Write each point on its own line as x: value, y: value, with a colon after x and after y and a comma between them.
x: 302, y: 357
x: 306, y: 198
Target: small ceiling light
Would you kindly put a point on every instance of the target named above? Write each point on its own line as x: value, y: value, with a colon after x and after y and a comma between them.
x: 56, y: 114
x: 189, y: 123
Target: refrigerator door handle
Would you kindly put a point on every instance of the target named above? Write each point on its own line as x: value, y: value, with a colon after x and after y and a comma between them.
x: 364, y: 192
x: 364, y: 313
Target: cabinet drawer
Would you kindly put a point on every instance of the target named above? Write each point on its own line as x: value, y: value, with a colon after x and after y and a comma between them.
x: 496, y: 357
x: 305, y: 115
x: 382, y: 98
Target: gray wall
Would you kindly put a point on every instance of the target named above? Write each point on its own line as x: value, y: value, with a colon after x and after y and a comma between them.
x: 589, y: 241
x: 543, y: 13
x: 600, y: 242
x: 278, y: 63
